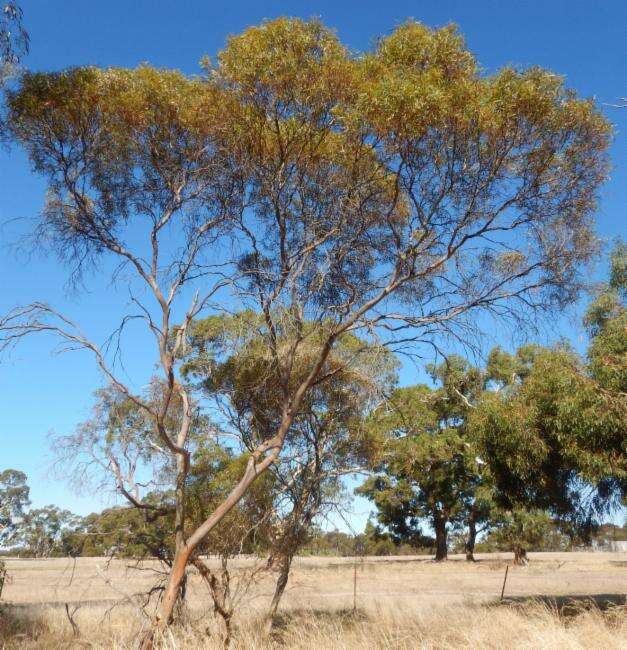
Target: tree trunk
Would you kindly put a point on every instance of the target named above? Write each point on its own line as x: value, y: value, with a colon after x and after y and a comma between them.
x: 3, y: 576
x: 520, y: 556
x: 169, y: 599
x: 472, y: 535
x: 441, y: 546
x: 180, y: 610
x: 281, y: 583
x: 185, y: 549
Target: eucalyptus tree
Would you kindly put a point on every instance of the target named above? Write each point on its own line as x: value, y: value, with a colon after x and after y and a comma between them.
x: 14, y: 501
x: 524, y: 529
x: 135, y: 173
x: 572, y: 433
x: 428, y: 465
x: 606, y: 323
x: 553, y: 433
x: 43, y: 530
x: 397, y: 194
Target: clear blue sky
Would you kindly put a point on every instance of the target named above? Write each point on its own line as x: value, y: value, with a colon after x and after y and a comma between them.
x: 583, y: 40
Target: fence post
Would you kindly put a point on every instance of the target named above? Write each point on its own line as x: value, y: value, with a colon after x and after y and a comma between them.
x: 504, y: 581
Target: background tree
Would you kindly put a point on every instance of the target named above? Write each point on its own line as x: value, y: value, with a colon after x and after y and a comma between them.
x: 607, y: 534
x: 121, y: 531
x: 42, y: 531
x: 429, y: 466
x: 13, y: 500
x: 534, y: 530
x: 569, y: 416
x: 399, y: 194
x: 14, y: 493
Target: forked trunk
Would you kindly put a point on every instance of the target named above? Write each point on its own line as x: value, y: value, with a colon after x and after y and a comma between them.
x: 281, y: 583
x: 169, y: 599
x: 441, y: 546
x: 257, y: 464
x: 220, y: 594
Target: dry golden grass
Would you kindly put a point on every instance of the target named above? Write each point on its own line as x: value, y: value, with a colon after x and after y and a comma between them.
x: 401, y: 603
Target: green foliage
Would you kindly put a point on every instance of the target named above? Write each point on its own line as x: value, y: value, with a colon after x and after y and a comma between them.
x: 13, y: 502
x: 38, y: 532
x: 429, y: 461
x: 606, y: 320
x: 230, y: 355
x: 534, y: 530
x: 133, y: 532
x: 249, y: 526
x: 372, y: 542
x: 47, y: 532
x: 569, y: 430
x: 568, y: 416
x: 231, y: 361
x: 123, y: 532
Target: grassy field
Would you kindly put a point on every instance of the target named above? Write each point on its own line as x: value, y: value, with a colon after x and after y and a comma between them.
x: 562, y: 600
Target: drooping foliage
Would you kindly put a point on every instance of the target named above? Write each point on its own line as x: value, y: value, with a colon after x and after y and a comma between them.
x: 568, y: 415
x: 13, y: 36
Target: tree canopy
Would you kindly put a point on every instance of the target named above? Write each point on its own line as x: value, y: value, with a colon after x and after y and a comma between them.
x: 429, y: 465
x: 568, y: 413
x: 13, y: 501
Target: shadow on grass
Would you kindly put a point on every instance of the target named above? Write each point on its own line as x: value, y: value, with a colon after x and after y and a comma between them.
x: 301, y: 618
x: 568, y: 606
